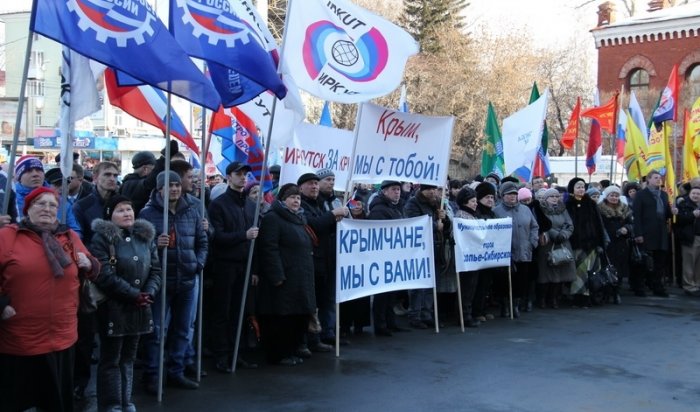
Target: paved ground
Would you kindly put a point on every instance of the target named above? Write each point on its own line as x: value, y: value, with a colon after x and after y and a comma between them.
x: 643, y: 355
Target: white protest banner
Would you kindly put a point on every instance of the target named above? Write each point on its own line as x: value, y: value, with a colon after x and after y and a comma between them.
x: 481, y: 244
x: 376, y: 256
x: 316, y: 147
x: 393, y: 145
x: 522, y: 136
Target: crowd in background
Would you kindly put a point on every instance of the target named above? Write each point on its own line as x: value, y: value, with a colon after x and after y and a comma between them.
x: 114, y: 236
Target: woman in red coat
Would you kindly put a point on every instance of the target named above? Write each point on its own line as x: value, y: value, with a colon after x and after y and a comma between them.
x: 40, y: 261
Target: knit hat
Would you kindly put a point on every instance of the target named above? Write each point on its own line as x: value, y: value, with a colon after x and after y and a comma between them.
x: 539, y: 195
x: 25, y: 164
x: 593, y: 191
x: 484, y: 189
x: 160, y: 179
x: 142, y: 159
x: 549, y: 193
x: 324, y: 173
x: 507, y: 188
x: 54, y: 176
x: 524, y: 193
x: 307, y: 177
x: 112, y: 204
x: 34, y: 194
x: 572, y: 183
x: 493, y: 176
x: 389, y: 183
x: 289, y: 189
x: 607, y: 191
x: 464, y: 195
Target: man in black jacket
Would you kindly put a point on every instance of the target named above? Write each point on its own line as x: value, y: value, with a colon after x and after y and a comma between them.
x: 323, y: 223
x: 231, y: 217
x: 651, y: 211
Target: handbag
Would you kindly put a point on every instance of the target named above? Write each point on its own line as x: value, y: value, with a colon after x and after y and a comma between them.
x: 636, y: 254
x: 559, y: 255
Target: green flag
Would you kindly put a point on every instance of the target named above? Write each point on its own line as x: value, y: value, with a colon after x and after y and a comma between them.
x: 541, y: 166
x: 492, y: 155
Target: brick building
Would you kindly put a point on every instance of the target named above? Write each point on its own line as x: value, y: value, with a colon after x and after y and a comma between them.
x: 638, y: 53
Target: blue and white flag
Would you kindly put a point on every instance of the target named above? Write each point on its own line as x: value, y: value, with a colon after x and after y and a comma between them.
x: 128, y: 36
x: 522, y: 137
x: 638, y: 116
x: 231, y: 37
x: 326, y: 119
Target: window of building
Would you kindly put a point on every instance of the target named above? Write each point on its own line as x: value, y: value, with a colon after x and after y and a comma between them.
x: 693, y: 80
x: 35, y: 87
x: 118, y: 117
x: 639, y: 81
x: 37, y: 118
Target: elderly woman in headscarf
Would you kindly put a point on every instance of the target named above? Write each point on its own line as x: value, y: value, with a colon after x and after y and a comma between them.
x: 617, y: 220
x: 588, y: 240
x: 41, y: 263
x: 551, y: 278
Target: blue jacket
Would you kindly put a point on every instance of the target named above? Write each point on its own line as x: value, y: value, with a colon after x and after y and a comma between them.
x: 22, y: 191
x: 189, y: 255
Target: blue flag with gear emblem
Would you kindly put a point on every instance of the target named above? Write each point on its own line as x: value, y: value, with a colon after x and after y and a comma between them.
x: 127, y: 36
x: 233, y: 39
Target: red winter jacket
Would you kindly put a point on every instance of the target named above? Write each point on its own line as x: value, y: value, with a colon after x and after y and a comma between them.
x: 46, y: 306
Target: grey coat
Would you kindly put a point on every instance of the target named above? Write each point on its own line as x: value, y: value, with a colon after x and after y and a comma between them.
x: 559, y: 234
x: 525, y: 230
x: 136, y: 270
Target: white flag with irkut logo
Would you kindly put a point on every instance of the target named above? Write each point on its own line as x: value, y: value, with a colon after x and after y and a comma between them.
x: 343, y: 53
x: 522, y: 135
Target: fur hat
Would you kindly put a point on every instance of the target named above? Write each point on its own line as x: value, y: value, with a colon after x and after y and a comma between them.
x: 289, y: 189
x: 112, y: 203
x: 607, y: 191
x: 572, y: 183
x: 465, y: 194
x: 484, y: 189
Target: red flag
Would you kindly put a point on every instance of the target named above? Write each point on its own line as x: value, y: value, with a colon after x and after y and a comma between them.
x: 571, y: 133
x: 605, y: 115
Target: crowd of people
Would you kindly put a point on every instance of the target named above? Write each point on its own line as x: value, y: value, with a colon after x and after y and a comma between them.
x: 114, y: 236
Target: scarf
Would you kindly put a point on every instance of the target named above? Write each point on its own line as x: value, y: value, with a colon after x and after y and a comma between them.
x: 52, y: 248
x: 660, y: 210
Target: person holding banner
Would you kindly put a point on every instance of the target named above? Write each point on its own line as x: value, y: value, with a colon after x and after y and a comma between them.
x: 589, y: 238
x: 427, y: 202
x: 552, y: 277
x: 466, y: 209
x: 486, y: 200
x: 524, y: 241
x: 387, y: 205
x: 284, y: 252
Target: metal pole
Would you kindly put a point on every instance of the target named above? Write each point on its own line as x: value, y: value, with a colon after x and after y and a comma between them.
x: 459, y: 301
x: 18, y: 122
x: 510, y: 291
x: 202, y: 182
x: 164, y: 261
x: 576, y: 157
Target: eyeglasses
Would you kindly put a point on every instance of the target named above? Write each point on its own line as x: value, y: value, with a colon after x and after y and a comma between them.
x: 45, y: 205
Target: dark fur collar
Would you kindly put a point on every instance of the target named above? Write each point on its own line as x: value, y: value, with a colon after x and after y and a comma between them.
x: 142, y: 229
x: 611, y: 212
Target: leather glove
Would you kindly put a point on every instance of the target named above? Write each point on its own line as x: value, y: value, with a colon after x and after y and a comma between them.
x: 144, y: 299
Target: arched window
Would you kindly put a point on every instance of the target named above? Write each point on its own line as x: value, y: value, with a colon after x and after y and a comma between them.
x: 694, y: 81
x: 639, y: 81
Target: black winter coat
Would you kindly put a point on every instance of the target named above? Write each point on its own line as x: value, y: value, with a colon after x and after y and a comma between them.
x: 231, y: 215
x: 189, y: 255
x: 382, y: 209
x: 687, y: 224
x: 323, y: 224
x: 647, y: 223
x: 589, y: 233
x: 418, y: 205
x: 137, y: 270
x: 138, y: 188
x: 614, y: 219
x: 86, y: 211
x: 285, y: 253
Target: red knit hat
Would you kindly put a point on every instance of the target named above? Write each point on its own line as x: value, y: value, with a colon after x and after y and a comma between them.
x: 35, y: 194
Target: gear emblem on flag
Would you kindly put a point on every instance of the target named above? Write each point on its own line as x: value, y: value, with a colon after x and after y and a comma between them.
x: 122, y: 21
x: 218, y: 24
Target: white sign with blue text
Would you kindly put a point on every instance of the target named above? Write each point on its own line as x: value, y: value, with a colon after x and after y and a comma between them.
x: 393, y: 145
x: 376, y: 256
x: 481, y: 244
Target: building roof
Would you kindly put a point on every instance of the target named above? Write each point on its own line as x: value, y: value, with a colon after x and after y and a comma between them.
x: 673, y: 22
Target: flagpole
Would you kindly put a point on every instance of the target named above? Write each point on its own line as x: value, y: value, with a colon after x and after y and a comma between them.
x: 576, y: 156
x: 164, y: 262
x: 202, y: 197
x: 18, y: 122
x: 258, y: 203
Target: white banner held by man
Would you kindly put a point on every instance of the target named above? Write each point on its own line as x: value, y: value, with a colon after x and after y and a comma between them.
x: 401, y: 146
x: 316, y: 147
x: 376, y: 256
x: 481, y: 244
